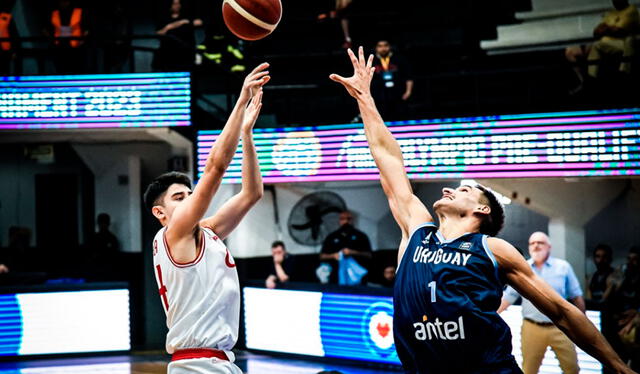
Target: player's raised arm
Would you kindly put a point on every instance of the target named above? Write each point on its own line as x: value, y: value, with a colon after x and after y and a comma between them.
x: 231, y: 213
x: 407, y: 209
x: 187, y: 215
x: 565, y: 315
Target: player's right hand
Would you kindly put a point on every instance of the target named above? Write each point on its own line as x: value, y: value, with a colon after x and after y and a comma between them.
x: 358, y: 85
x: 254, y: 81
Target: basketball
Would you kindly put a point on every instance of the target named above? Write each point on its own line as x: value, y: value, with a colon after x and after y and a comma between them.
x: 251, y: 19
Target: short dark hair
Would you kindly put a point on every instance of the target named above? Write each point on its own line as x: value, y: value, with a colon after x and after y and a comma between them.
x: 278, y: 243
x: 156, y: 189
x: 607, y: 250
x: 493, y: 222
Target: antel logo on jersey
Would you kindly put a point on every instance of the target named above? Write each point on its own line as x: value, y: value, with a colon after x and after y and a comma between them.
x: 377, y: 329
x: 439, y: 330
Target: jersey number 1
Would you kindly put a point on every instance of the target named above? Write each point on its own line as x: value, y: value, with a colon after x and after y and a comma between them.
x: 432, y: 285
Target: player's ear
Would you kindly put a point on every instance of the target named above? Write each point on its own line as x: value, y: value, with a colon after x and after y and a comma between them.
x: 483, y: 209
x: 158, y: 211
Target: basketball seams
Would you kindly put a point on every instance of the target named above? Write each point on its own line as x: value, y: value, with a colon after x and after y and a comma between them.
x: 250, y: 17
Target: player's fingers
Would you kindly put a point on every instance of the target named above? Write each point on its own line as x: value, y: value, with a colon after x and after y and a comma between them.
x: 259, y: 82
x: 353, y: 58
x: 361, y: 56
x: 266, y: 79
x: 370, y: 62
x: 259, y: 75
x: 260, y: 67
x: 337, y: 78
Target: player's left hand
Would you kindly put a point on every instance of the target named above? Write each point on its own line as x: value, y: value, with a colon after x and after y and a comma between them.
x: 358, y: 85
x: 252, y: 112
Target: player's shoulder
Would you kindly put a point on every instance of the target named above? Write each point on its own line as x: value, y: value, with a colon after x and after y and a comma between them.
x: 425, y: 227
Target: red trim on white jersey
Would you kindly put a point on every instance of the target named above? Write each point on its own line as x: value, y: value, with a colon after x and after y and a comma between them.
x: 184, y: 264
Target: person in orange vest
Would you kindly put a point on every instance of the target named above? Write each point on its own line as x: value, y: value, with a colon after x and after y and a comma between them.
x: 7, y: 47
x: 67, y: 22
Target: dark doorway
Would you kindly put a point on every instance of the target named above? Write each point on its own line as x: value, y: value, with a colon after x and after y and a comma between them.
x: 57, y: 211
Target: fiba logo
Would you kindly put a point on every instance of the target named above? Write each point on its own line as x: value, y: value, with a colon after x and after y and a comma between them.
x: 377, y: 329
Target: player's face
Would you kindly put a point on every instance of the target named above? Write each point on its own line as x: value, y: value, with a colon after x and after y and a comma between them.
x: 464, y: 200
x: 176, y: 194
x: 539, y: 247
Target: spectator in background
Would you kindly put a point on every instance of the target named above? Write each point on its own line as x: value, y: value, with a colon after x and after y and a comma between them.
x: 389, y: 276
x: 7, y: 30
x: 392, y: 85
x: 283, y: 266
x: 538, y: 332
x: 68, y: 21
x: 341, y: 12
x: 104, y: 242
x: 346, y: 241
x: 177, y: 47
x: 626, y: 305
x: 615, y: 36
x: 600, y: 285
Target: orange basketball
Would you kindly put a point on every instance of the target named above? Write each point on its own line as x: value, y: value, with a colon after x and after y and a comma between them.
x: 251, y: 19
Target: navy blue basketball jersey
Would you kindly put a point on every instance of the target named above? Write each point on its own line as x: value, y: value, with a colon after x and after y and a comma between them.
x: 445, y: 299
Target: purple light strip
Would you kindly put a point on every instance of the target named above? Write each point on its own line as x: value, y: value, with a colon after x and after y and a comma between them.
x: 479, y: 132
x: 95, y: 125
x: 478, y: 175
x: 449, y: 127
x: 467, y: 168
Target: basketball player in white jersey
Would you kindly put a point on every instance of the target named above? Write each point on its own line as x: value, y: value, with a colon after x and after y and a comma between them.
x: 196, y: 275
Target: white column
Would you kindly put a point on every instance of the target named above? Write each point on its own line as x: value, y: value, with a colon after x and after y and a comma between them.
x: 568, y: 242
x: 134, y: 221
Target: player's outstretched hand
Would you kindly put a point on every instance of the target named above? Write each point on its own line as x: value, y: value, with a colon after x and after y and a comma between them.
x: 253, y: 111
x: 254, y: 81
x: 358, y: 85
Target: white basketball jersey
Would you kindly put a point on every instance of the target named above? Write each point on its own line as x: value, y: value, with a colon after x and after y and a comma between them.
x: 202, y: 298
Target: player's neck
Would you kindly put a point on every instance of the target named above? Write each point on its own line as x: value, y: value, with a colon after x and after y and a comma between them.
x: 455, y: 226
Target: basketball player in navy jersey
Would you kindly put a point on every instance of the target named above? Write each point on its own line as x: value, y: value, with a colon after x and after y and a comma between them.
x: 450, y: 278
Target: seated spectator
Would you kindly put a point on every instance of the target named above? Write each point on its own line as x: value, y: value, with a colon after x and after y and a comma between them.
x: 283, y: 266
x: 615, y: 36
x: 177, y: 48
x: 68, y: 21
x: 345, y: 242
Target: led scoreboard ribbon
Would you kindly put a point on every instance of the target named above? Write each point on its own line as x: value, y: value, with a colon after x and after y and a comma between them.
x: 567, y: 144
x: 95, y: 101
